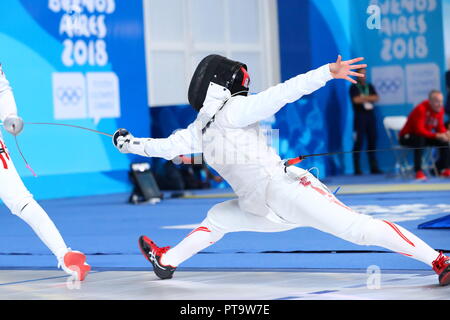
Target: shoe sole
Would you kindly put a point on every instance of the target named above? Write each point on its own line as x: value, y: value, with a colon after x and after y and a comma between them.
x: 445, y: 280
x: 75, y: 261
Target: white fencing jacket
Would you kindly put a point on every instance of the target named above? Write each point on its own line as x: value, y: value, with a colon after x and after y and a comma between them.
x: 232, y: 141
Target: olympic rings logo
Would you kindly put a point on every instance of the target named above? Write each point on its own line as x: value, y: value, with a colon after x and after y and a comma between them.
x: 69, y: 95
x: 388, y: 85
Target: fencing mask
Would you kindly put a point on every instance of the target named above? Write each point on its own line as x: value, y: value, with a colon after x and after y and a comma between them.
x: 219, y: 70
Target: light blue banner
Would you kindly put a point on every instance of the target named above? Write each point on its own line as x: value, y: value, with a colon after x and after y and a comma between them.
x: 80, y: 63
x: 402, y: 41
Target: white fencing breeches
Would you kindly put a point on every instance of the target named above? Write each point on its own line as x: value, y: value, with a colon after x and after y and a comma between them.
x: 302, y: 201
x: 307, y: 202
x: 20, y: 202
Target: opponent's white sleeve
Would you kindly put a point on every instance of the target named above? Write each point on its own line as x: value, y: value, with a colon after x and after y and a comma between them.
x: 182, y: 142
x: 242, y: 111
x: 7, y: 102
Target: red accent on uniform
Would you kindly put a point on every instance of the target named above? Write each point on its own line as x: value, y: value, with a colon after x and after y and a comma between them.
x: 396, y: 229
x: 342, y: 205
x: 304, y: 181
x: 246, y: 78
x: 5, y: 165
x: 405, y: 254
x: 322, y: 192
x: 6, y: 151
x: 423, y: 121
x: 205, y: 229
x: 2, y: 145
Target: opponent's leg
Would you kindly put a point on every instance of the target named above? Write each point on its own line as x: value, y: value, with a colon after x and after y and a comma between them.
x: 21, y: 203
x: 35, y: 216
x: 309, y: 203
x: 72, y: 262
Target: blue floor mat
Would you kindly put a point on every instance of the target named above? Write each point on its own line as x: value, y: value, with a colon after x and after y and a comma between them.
x: 107, y: 228
x: 386, y: 261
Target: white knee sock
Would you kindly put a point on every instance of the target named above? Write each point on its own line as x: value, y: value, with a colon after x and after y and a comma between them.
x: 42, y: 225
x: 199, y: 239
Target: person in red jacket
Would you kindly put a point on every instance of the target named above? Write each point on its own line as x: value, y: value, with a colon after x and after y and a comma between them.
x: 425, y: 127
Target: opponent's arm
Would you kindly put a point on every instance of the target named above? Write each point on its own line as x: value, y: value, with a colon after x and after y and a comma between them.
x: 243, y: 111
x: 186, y: 141
x: 8, y: 109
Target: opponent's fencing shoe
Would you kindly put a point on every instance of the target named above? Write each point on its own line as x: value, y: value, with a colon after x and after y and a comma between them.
x: 74, y: 263
x: 442, y: 267
x: 153, y: 254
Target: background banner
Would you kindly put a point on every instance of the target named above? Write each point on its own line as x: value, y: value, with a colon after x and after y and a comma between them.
x: 80, y: 63
x: 402, y: 41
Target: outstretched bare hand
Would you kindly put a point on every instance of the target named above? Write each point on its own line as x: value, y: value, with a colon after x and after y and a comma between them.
x: 343, y: 69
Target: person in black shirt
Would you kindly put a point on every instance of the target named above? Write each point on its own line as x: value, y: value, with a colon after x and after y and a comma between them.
x: 363, y: 97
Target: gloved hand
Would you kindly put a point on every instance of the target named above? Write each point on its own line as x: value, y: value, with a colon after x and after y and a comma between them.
x: 126, y: 143
x: 13, y: 124
x: 121, y: 140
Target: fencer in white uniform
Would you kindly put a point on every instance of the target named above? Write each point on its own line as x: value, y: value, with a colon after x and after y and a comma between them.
x: 270, y: 196
x: 20, y: 201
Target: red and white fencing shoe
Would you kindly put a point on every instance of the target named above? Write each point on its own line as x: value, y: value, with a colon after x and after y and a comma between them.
x: 74, y: 263
x: 442, y: 267
x: 153, y: 253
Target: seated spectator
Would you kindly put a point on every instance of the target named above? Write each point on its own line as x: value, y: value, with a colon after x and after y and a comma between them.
x: 425, y: 128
